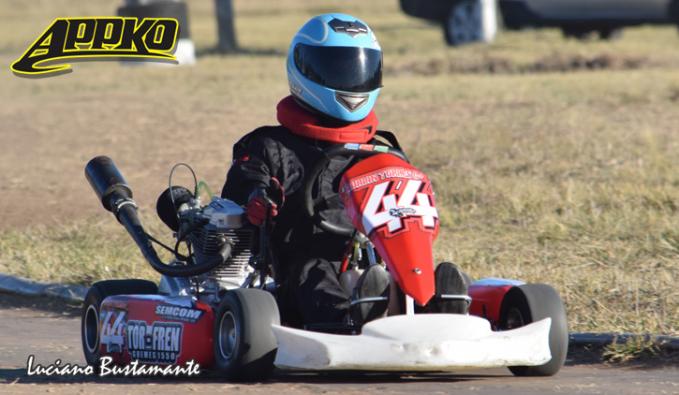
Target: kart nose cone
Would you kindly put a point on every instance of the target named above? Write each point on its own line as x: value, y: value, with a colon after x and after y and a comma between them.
x: 410, y: 258
x: 418, y: 283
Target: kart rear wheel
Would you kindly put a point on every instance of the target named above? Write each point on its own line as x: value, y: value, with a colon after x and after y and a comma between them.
x: 89, y: 323
x: 244, y: 344
x: 530, y: 303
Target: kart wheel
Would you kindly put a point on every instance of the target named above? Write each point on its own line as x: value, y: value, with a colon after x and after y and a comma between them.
x: 244, y: 344
x: 89, y: 326
x: 463, y: 24
x: 530, y: 303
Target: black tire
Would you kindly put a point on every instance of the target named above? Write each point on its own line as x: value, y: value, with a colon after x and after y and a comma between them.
x: 460, y: 27
x: 529, y: 303
x: 89, y: 322
x: 244, y: 344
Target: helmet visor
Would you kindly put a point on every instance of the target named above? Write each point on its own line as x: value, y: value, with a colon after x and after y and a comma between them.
x: 349, y: 69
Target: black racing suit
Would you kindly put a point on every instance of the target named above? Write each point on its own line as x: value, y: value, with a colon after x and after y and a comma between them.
x: 308, y: 258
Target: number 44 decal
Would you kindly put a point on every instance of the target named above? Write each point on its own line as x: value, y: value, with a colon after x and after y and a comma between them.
x: 411, y: 204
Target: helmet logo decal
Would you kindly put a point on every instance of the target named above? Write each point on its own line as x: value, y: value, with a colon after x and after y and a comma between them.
x: 295, y: 89
x: 351, y: 102
x: 351, y: 28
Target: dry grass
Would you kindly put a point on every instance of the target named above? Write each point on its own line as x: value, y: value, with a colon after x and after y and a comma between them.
x: 569, y: 178
x: 633, y: 349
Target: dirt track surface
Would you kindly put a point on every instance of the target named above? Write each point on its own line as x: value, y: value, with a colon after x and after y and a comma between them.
x: 50, y: 330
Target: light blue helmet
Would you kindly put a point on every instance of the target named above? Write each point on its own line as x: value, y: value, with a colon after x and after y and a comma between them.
x: 335, y: 66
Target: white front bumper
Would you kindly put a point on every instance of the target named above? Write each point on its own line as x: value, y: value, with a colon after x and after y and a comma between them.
x: 421, y: 342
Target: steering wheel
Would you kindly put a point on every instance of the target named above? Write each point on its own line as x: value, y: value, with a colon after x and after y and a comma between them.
x: 361, y: 151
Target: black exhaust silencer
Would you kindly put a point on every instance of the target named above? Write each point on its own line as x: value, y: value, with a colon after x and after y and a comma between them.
x: 116, y: 196
x: 108, y: 183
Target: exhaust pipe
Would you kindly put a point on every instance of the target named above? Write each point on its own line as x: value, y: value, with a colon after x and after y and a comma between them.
x: 108, y: 183
x: 116, y: 197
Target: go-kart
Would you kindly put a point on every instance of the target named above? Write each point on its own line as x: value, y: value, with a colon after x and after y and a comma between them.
x: 215, y: 303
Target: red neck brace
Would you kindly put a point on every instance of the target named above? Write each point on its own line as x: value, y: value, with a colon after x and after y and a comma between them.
x: 303, y: 123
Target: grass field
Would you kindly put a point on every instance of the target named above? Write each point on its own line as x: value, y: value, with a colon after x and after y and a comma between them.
x: 553, y: 160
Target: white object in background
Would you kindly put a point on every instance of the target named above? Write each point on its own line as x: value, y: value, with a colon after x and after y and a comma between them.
x: 421, y: 342
x: 470, y: 21
x: 185, y: 55
x: 489, y: 9
x: 186, y: 52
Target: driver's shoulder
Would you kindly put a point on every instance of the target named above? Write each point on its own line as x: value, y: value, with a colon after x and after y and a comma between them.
x: 270, y: 134
x: 264, y: 137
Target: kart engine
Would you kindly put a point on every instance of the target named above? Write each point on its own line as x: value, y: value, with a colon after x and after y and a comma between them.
x: 206, y: 229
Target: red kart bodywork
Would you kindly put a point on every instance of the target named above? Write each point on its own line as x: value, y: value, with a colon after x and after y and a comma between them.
x: 392, y: 203
x: 156, y: 329
x: 487, y: 301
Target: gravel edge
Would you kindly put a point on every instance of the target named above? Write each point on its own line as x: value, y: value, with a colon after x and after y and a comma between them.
x: 23, y: 286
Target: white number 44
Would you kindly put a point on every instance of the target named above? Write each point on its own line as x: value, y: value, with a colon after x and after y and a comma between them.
x: 411, y: 204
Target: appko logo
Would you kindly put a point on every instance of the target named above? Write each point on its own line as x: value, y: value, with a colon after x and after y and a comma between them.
x: 90, y: 38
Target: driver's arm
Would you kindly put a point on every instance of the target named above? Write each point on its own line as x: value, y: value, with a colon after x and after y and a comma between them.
x: 250, y: 170
x: 257, y: 158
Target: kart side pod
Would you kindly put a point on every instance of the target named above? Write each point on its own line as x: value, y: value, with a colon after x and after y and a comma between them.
x: 156, y: 329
